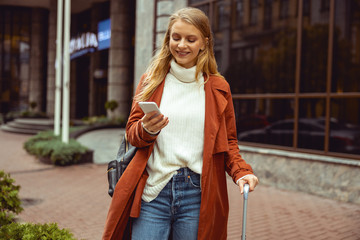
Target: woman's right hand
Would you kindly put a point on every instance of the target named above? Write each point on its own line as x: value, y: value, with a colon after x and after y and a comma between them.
x: 153, y: 122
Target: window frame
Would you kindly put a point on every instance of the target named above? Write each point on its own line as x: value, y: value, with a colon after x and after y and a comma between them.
x: 296, y: 96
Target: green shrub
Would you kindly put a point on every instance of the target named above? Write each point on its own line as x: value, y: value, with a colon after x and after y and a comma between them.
x: 64, y: 154
x: 111, y: 105
x: 47, y: 145
x: 28, y: 231
x: 96, y: 120
x: 46, y: 136
x: 33, y: 105
x: 32, y: 114
x: 9, y: 200
x: 24, y: 114
x: 102, y: 120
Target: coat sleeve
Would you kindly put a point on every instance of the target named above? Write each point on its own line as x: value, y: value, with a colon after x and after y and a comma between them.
x: 235, y: 165
x: 135, y: 133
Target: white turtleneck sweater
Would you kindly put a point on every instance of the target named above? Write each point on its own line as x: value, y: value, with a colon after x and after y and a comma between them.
x: 181, y: 142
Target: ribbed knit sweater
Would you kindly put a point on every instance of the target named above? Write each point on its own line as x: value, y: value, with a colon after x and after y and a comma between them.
x: 181, y: 142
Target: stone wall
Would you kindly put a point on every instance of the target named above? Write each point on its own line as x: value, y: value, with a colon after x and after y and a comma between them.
x: 329, y: 177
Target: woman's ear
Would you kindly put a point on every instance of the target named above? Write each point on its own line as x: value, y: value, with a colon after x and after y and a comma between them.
x: 205, y: 44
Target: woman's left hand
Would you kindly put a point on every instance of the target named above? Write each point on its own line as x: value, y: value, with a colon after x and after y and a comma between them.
x: 250, y: 179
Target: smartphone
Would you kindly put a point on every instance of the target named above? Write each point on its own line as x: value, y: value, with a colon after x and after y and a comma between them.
x: 149, y: 107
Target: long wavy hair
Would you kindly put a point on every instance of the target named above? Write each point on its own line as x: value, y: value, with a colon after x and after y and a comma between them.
x: 160, y: 63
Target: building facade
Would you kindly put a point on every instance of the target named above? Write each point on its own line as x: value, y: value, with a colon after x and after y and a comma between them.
x: 101, y: 52
x: 293, y: 68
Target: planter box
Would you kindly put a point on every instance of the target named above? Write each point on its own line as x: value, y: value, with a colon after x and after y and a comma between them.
x: 85, y: 158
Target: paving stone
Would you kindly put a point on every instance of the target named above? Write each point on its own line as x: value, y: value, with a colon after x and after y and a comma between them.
x: 76, y: 198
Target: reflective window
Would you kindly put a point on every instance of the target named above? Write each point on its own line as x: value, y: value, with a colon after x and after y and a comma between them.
x: 325, y: 5
x: 306, y: 7
x: 284, y: 9
x: 267, y: 13
x: 254, y: 10
x: 14, y: 58
x: 195, y: 1
x: 346, y: 64
x: 239, y: 13
x: 345, y: 126
x: 314, y: 51
x: 270, y: 82
x: 265, y: 121
x: 205, y: 8
x: 311, y: 124
x: 244, y: 73
x: 266, y: 66
x: 222, y: 15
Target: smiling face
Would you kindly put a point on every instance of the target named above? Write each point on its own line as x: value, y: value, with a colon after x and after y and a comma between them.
x: 185, y: 43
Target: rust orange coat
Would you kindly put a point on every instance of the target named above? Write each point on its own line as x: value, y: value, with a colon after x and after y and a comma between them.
x: 220, y: 154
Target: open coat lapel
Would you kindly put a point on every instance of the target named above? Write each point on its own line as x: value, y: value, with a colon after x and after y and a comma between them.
x: 220, y: 153
x: 215, y: 104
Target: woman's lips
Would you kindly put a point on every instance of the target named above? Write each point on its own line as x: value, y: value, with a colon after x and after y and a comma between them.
x: 182, y: 54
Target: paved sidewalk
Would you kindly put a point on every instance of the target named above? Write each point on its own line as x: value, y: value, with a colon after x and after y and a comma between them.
x: 76, y: 198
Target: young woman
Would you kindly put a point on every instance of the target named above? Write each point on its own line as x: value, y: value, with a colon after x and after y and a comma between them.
x: 175, y: 186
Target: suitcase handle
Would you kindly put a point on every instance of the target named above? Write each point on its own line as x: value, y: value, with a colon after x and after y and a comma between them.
x: 246, y: 191
x: 246, y: 195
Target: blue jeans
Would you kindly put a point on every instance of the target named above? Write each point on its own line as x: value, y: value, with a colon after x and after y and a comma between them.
x: 174, y: 211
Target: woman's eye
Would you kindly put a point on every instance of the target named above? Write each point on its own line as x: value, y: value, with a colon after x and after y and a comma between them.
x: 191, y: 40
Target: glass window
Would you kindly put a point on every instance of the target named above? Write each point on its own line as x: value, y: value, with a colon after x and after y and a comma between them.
x: 311, y: 124
x: 345, y: 126
x: 222, y: 15
x: 284, y: 9
x: 265, y: 68
x: 14, y: 58
x: 244, y: 74
x: 1, y: 47
x: 314, y: 53
x: 260, y: 60
x: 268, y: 121
x: 239, y: 13
x: 306, y: 7
x: 195, y: 1
x: 267, y: 14
x: 346, y: 60
x: 325, y: 5
x: 254, y: 9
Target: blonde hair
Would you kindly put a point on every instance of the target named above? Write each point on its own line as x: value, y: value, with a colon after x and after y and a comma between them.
x: 160, y: 63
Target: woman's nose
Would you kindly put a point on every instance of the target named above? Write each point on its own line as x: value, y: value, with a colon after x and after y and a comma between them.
x: 182, y: 43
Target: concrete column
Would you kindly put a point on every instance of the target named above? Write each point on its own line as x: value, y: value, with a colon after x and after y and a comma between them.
x: 37, y: 58
x: 164, y: 9
x: 145, y: 16
x: 144, y: 37
x: 121, y: 55
x: 50, y: 94
x: 179, y: 4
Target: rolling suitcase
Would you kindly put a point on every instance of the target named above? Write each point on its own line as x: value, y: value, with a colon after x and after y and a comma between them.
x: 246, y: 195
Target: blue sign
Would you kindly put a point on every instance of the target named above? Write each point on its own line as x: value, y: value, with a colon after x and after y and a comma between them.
x: 104, y: 34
